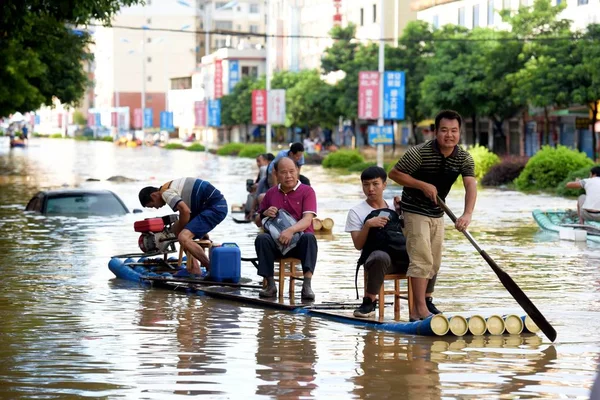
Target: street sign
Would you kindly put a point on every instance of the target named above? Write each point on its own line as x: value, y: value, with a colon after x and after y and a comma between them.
x: 218, y: 79
x: 259, y: 107
x: 166, y: 121
x: 234, y: 74
x: 276, y: 107
x: 98, y: 119
x: 214, y: 113
x: 200, y: 113
x: 368, y: 95
x: 138, y: 118
x: 381, y: 134
x: 394, y: 95
x: 148, y: 118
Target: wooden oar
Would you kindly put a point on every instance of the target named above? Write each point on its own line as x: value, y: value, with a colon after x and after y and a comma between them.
x: 508, y: 283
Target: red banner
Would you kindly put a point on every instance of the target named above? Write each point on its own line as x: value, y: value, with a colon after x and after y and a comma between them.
x: 200, y: 113
x: 114, y: 119
x: 368, y: 95
x: 138, y: 118
x: 218, y: 79
x: 91, y: 119
x: 60, y: 120
x: 259, y: 107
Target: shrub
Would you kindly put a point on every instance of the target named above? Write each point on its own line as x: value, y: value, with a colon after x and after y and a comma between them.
x: 56, y: 136
x: 581, y: 173
x: 174, y: 146
x: 503, y: 173
x: 342, y: 159
x: 484, y: 160
x: 106, y: 139
x: 252, y: 150
x: 230, y: 149
x: 195, y: 147
x: 361, y: 166
x: 550, y: 166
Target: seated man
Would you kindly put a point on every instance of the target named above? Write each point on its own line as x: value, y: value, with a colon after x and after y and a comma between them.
x: 296, y: 153
x: 300, y: 202
x: 262, y: 162
x: 201, y: 208
x: 588, y: 204
x: 378, y: 263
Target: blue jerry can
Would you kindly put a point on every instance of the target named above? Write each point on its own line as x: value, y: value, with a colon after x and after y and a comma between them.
x: 225, y: 263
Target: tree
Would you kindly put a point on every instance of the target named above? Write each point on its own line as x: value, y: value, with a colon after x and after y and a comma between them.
x: 42, y: 56
x: 587, y: 76
x: 311, y: 102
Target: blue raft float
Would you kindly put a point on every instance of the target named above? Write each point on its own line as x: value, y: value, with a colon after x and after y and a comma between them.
x: 167, y: 274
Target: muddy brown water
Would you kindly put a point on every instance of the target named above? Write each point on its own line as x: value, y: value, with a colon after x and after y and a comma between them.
x: 71, y: 330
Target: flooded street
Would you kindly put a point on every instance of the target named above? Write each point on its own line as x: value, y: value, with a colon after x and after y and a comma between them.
x: 71, y: 330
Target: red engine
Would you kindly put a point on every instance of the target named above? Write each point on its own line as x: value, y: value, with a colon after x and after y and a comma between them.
x: 156, y: 233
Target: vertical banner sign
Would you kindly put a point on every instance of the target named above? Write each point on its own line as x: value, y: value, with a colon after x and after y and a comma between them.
x: 368, y: 95
x: 234, y: 74
x: 198, y: 105
x: 37, y: 120
x: 276, y: 109
x: 91, y: 119
x: 214, y: 113
x: 98, y: 119
x: 114, y: 119
x: 32, y: 119
x: 148, y: 118
x: 138, y: 118
x: 259, y: 107
x: 394, y: 94
x: 218, y: 79
x: 60, y: 120
x: 166, y: 121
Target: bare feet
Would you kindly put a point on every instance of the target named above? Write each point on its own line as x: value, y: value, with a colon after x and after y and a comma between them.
x: 195, y: 267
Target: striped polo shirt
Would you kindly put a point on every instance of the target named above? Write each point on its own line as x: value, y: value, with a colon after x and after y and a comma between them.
x: 426, y: 163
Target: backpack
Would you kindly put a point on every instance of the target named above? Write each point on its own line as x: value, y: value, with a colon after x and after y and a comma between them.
x: 389, y: 239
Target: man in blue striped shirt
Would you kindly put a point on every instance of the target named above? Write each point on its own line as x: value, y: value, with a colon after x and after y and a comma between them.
x: 201, y: 208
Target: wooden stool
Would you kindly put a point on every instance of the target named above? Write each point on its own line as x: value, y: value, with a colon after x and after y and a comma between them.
x: 396, y: 292
x: 292, y: 273
x: 205, y: 244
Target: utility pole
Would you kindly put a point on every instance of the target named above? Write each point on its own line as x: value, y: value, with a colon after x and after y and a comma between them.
x: 381, y: 70
x: 206, y: 28
x: 396, y: 23
x: 268, y: 83
x: 143, y: 82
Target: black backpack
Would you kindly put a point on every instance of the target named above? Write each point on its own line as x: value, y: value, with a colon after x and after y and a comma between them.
x: 389, y: 239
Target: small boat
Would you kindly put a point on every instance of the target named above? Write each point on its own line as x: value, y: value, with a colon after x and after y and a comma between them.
x: 564, y: 221
x: 165, y: 273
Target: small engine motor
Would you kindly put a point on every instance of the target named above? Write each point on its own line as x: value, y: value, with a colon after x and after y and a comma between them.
x: 156, y: 234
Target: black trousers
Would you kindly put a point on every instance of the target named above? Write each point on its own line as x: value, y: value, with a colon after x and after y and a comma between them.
x: 267, y: 252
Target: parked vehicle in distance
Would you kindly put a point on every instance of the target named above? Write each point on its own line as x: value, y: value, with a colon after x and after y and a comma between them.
x: 78, y: 202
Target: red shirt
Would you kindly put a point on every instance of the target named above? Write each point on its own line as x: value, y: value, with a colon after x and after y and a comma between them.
x: 299, y: 201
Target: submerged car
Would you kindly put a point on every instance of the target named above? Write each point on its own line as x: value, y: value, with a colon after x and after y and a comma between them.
x: 78, y: 202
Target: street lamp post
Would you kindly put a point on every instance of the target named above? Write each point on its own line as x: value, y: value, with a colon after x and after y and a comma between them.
x: 381, y: 76
x: 268, y: 78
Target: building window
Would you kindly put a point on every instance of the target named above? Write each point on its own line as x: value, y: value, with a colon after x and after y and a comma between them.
x: 374, y: 13
x: 362, y: 17
x: 506, y: 4
x: 149, y: 78
x: 220, y: 4
x: 475, y: 15
x: 461, y: 16
x: 490, y: 18
x: 224, y: 25
x: 436, y: 22
x: 523, y: 3
x: 149, y: 40
x: 582, y: 2
x: 149, y: 59
x: 254, y: 9
x: 149, y: 21
x: 253, y: 28
x: 250, y: 71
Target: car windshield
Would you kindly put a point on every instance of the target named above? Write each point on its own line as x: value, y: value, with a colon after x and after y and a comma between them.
x: 85, y: 204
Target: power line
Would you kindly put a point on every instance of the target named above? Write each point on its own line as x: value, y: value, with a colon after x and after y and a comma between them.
x: 264, y: 35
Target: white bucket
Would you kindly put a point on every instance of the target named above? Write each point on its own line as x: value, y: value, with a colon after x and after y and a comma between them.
x: 576, y: 235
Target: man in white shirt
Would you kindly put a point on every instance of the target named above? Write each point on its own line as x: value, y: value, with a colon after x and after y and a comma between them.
x: 588, y: 204
x: 378, y: 263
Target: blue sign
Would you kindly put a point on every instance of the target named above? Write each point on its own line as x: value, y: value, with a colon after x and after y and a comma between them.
x: 214, y: 113
x: 148, y: 118
x: 394, y: 94
x: 166, y: 121
x: 97, y: 119
x: 234, y: 74
x: 37, y: 119
x: 381, y: 134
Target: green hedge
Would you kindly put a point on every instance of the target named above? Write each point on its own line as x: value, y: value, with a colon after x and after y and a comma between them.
x: 56, y: 136
x: 361, y: 166
x: 581, y: 173
x: 252, y: 150
x: 550, y: 166
x: 195, y: 147
x: 484, y: 160
x: 342, y: 159
x: 230, y: 149
x: 174, y: 146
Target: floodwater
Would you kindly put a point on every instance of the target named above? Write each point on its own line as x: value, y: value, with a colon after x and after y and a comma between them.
x: 71, y: 330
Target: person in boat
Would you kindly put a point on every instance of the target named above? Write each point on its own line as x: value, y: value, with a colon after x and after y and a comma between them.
x: 588, y: 204
x: 262, y: 162
x: 427, y: 171
x: 379, y: 262
x: 201, y: 208
x: 300, y: 202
